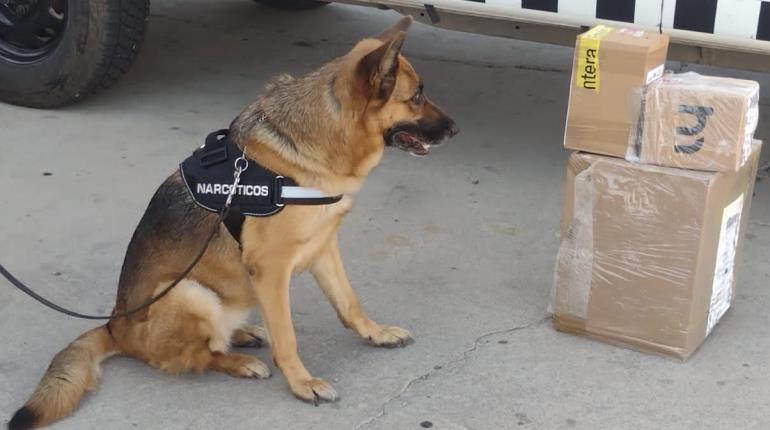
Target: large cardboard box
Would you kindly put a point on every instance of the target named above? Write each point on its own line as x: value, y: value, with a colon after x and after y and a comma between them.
x: 610, y: 64
x: 697, y: 122
x: 648, y: 253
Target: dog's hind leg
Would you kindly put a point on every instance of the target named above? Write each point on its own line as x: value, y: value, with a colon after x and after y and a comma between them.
x: 190, y: 329
x: 239, y: 365
x: 331, y: 277
x: 249, y: 336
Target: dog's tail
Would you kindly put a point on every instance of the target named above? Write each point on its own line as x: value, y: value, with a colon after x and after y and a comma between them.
x: 73, y: 371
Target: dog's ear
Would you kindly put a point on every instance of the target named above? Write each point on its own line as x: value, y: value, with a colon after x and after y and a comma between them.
x: 402, y: 25
x: 379, y: 68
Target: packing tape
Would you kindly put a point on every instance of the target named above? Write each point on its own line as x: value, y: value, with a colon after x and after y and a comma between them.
x: 574, y: 264
x: 587, y: 75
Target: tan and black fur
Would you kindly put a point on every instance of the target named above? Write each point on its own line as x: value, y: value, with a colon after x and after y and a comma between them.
x: 326, y: 130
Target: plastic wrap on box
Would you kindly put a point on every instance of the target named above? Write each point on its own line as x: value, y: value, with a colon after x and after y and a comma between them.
x: 696, y: 122
x: 648, y: 253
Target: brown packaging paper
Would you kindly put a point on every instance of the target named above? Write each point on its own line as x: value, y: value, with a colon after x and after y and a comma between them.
x: 696, y: 122
x: 648, y: 253
x: 610, y: 64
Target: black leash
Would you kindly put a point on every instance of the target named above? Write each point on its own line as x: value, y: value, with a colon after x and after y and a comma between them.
x: 28, y: 291
x: 240, y: 165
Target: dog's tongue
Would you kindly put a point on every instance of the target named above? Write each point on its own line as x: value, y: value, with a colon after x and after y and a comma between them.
x: 415, y: 145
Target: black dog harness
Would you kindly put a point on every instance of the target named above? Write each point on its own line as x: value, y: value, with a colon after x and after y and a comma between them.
x: 208, y: 175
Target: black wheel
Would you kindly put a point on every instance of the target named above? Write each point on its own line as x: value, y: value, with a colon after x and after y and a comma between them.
x: 53, y: 52
x: 293, y: 4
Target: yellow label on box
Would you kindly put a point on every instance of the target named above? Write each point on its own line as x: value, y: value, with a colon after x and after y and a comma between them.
x: 587, y: 73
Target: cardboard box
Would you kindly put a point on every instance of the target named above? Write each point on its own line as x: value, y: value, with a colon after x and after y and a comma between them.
x: 609, y: 65
x: 648, y: 253
x: 697, y: 122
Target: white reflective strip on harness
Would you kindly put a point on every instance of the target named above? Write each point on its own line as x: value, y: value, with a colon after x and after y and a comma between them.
x: 291, y: 192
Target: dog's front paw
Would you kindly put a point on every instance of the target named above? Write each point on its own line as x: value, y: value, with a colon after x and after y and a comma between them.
x: 391, y: 337
x: 313, y: 390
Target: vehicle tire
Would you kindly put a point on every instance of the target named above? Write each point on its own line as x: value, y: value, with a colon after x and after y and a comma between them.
x: 54, y: 52
x: 293, y: 4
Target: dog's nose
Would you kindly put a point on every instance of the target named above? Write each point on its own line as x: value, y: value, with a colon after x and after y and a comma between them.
x: 453, y: 129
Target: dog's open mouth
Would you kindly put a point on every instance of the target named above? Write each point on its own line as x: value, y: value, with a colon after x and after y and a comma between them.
x: 412, y: 144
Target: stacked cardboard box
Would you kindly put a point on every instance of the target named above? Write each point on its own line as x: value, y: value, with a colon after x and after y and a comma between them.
x: 656, y: 198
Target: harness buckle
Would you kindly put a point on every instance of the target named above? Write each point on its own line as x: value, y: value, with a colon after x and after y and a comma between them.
x: 277, y: 197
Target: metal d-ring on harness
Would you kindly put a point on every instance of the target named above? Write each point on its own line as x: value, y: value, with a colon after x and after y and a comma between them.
x: 240, y: 165
x: 239, y: 169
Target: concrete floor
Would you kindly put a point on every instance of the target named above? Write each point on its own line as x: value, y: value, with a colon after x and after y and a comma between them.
x: 459, y: 247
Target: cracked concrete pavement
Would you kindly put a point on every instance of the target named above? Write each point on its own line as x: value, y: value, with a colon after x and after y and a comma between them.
x: 458, y: 247
x: 453, y: 361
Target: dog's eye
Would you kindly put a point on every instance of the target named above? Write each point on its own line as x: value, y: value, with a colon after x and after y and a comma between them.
x: 417, y: 97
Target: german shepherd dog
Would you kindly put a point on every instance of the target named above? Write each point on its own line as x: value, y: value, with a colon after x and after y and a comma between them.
x: 325, y: 130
